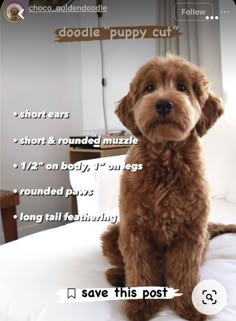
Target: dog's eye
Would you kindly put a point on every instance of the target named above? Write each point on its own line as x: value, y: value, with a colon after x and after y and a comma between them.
x: 181, y: 87
x: 150, y: 88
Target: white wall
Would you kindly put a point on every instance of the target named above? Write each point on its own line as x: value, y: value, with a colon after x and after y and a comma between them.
x: 228, y: 51
x: 38, y: 74
x: 210, y: 49
x: 122, y: 59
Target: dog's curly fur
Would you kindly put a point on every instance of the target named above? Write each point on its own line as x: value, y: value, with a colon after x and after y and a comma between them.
x: 14, y: 14
x: 163, y: 232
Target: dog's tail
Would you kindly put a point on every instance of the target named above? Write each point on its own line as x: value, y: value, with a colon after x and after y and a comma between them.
x: 216, y: 229
x: 110, y: 239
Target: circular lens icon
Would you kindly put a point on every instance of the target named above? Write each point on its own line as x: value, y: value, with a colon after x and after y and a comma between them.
x: 209, y: 297
x: 14, y: 11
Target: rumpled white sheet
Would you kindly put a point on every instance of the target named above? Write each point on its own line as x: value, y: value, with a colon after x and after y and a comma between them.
x: 33, y: 268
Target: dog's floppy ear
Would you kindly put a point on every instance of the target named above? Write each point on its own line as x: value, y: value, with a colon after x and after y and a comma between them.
x: 124, y: 111
x: 211, y: 111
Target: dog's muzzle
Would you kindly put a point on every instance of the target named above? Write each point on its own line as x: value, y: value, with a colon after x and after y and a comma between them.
x: 163, y: 107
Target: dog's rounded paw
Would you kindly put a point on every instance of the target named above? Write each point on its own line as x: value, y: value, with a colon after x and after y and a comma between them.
x: 187, y: 311
x: 116, y: 276
x: 193, y: 316
x: 141, y: 310
x: 200, y: 317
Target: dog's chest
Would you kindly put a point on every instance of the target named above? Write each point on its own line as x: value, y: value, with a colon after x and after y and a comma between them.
x: 164, y: 194
x: 168, y: 191
x: 167, y: 177
x: 168, y: 206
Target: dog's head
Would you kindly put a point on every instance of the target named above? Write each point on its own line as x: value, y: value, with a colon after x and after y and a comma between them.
x: 168, y: 98
x: 14, y: 11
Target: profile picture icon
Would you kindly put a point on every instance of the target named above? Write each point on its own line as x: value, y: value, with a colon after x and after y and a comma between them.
x: 14, y: 12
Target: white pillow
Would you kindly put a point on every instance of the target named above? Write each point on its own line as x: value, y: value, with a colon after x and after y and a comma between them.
x: 231, y: 197
x: 219, y: 146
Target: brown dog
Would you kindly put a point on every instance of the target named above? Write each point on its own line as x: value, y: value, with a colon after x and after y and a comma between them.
x: 163, y: 233
x: 14, y: 14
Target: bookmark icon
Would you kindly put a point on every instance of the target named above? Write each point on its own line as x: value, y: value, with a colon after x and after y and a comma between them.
x: 71, y: 293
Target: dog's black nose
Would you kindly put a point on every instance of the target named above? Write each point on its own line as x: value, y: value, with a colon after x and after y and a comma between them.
x: 164, y: 107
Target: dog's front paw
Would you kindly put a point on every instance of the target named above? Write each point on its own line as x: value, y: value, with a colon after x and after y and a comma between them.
x: 141, y: 310
x: 186, y: 310
x: 195, y: 316
x: 201, y: 317
x: 116, y: 276
x: 191, y: 314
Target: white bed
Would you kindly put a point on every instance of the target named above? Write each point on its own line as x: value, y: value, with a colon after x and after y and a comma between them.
x: 33, y: 268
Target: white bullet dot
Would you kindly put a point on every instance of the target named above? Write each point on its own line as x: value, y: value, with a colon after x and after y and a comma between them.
x: 212, y: 17
x: 15, y: 217
x: 15, y: 166
x: 207, y: 17
x: 15, y: 114
x: 216, y: 17
x: 15, y: 140
x: 15, y: 191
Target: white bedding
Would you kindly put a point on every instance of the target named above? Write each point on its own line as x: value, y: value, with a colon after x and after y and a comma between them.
x: 33, y: 268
